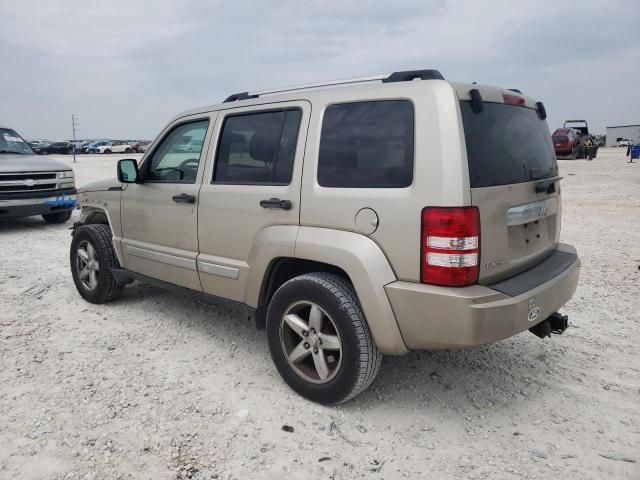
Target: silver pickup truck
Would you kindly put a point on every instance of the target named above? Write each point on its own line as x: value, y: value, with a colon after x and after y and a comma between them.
x: 31, y: 184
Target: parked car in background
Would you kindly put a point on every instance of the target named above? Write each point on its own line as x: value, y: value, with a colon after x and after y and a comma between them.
x: 625, y: 142
x: 32, y: 185
x: 54, y: 147
x: 566, y: 142
x: 115, y: 146
x: 81, y: 145
x: 37, y: 143
x: 141, y: 146
x: 587, y: 147
x: 93, y: 146
x: 191, y: 146
x: 77, y: 145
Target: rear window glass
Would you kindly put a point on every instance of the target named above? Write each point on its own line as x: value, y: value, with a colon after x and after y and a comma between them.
x: 367, y: 145
x: 507, y: 144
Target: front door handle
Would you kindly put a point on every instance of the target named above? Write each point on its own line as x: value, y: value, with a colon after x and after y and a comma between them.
x: 184, y: 198
x: 276, y: 203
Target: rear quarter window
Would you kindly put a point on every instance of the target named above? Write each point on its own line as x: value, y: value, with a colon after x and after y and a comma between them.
x: 367, y: 145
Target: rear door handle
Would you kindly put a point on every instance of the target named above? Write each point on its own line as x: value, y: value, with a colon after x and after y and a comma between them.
x: 184, y: 198
x: 276, y: 203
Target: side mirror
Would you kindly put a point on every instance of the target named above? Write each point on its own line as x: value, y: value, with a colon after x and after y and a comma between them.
x: 128, y: 171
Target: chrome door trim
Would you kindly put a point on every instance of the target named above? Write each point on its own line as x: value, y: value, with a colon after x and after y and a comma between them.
x: 165, y: 258
x: 532, y: 211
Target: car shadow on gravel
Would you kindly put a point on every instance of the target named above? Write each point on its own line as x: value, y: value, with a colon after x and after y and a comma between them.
x: 207, y: 318
x: 496, y: 375
x: 506, y: 373
x: 11, y: 225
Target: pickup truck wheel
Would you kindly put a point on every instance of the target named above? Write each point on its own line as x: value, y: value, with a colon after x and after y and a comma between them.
x: 92, y: 257
x: 319, y: 338
x: 58, y: 217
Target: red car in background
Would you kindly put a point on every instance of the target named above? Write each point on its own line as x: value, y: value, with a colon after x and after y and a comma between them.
x: 566, y: 142
x: 140, y: 147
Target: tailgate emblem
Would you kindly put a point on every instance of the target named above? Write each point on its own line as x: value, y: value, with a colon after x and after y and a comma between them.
x: 534, y: 311
x: 542, y: 211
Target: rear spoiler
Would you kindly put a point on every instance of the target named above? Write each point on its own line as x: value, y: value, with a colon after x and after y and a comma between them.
x: 477, y: 104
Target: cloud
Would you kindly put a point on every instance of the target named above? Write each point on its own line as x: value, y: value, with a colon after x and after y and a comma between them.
x: 127, y: 67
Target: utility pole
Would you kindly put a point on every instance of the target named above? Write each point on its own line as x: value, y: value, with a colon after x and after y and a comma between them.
x: 74, y: 124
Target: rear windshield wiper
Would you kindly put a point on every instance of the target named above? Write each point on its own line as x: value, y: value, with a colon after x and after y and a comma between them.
x: 536, y: 174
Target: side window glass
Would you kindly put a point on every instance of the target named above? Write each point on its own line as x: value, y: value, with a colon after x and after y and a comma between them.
x: 367, y: 145
x: 257, y: 148
x: 177, y: 157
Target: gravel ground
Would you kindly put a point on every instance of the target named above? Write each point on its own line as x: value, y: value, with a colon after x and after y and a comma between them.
x: 155, y: 386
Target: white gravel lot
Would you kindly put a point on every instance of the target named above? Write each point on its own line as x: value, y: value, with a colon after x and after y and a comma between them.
x: 155, y: 386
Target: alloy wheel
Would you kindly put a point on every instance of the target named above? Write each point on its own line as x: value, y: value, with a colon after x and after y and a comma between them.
x: 87, y: 265
x: 311, y: 342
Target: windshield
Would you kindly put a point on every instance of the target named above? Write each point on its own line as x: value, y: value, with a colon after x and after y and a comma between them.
x: 11, y: 142
x: 507, y: 144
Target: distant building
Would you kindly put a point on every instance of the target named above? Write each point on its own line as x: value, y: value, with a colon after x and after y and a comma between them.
x: 632, y: 132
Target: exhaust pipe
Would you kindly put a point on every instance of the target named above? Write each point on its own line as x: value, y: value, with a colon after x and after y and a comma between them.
x: 556, y: 324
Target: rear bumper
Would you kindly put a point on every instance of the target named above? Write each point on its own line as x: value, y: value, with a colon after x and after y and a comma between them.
x: 432, y: 317
x: 26, y: 207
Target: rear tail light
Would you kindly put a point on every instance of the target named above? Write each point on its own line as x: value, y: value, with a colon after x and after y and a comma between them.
x: 450, y: 246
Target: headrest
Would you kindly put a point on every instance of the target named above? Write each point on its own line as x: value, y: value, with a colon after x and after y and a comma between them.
x: 263, y: 147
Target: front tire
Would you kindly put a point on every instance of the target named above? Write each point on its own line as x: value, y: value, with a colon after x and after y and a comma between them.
x: 319, y: 339
x: 92, y: 257
x: 58, y: 217
x: 127, y: 150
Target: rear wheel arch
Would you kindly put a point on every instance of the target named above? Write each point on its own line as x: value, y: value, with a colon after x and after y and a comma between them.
x: 283, y: 269
x: 350, y: 255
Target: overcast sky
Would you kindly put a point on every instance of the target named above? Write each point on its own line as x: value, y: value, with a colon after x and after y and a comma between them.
x: 125, y: 67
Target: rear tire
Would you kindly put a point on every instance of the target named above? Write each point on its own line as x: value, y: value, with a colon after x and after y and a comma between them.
x: 92, y: 257
x: 342, y: 348
x: 58, y: 217
x: 127, y: 150
x: 107, y: 151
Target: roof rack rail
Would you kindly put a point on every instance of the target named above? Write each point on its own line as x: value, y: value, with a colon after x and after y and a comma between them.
x: 410, y: 75
x: 404, y: 76
x: 239, y: 96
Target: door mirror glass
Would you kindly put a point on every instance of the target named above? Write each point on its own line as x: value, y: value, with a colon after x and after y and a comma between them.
x: 128, y: 171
